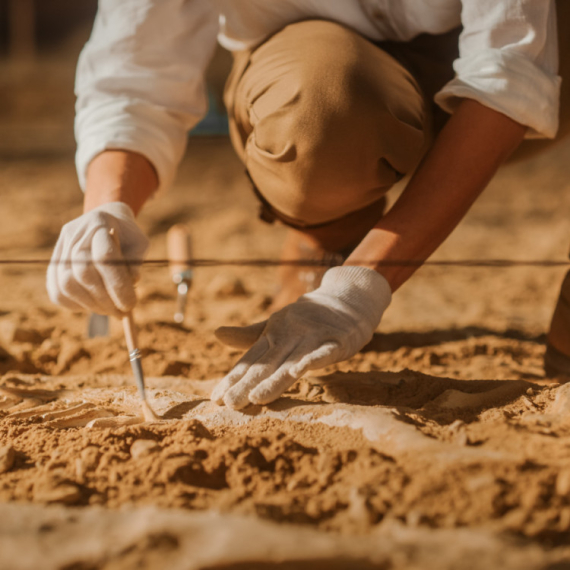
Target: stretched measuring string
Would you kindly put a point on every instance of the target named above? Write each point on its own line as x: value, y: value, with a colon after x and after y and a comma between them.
x: 475, y: 263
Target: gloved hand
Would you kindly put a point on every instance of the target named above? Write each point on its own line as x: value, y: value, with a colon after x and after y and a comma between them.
x: 321, y: 328
x: 90, y: 282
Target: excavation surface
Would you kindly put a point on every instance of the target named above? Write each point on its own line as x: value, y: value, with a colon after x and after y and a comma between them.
x: 442, y: 444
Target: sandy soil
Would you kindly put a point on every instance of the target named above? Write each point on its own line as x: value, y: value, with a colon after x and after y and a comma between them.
x: 441, y: 444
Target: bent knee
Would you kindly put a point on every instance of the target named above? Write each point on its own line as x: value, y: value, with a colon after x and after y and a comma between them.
x: 328, y: 131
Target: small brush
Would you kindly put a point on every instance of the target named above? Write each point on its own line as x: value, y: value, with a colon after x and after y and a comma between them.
x: 135, y: 357
x: 134, y: 354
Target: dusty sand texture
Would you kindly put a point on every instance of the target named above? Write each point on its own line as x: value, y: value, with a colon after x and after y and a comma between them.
x: 455, y: 453
x: 441, y: 445
x: 398, y: 482
x: 182, y: 540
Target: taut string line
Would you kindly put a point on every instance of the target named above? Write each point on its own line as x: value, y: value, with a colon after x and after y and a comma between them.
x: 483, y: 263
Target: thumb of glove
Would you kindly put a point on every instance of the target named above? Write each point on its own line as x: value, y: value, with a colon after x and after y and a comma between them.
x: 240, y: 337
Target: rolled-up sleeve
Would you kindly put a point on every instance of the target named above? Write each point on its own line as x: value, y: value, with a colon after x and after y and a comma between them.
x: 140, y: 80
x: 509, y: 62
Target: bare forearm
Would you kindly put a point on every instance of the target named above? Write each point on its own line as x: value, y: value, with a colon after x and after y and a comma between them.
x: 464, y: 158
x: 119, y: 176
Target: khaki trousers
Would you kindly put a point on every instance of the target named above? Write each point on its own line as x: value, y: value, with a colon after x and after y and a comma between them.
x: 326, y: 121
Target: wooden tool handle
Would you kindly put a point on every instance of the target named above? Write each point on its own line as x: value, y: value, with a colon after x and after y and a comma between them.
x: 179, y: 247
x: 130, y: 331
x: 128, y: 321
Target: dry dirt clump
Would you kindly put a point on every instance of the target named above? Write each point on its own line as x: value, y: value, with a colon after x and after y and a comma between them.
x: 56, y: 350
x: 183, y: 464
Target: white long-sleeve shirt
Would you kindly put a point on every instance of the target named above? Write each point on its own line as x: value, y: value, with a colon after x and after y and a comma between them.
x: 140, y: 80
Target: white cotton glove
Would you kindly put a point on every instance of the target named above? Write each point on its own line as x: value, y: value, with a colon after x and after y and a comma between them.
x: 90, y: 281
x: 321, y: 328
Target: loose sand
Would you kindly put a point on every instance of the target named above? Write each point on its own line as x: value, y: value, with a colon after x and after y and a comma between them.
x: 441, y: 445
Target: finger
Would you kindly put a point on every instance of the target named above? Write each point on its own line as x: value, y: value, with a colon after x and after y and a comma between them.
x: 51, y: 278
x: 323, y: 356
x: 273, y: 387
x: 51, y: 281
x: 86, y: 276
x: 114, y: 273
x: 290, y: 371
x: 237, y: 397
x: 240, y: 337
x: 55, y: 294
x: 239, y: 370
x: 54, y: 290
x: 69, y: 293
x: 68, y: 288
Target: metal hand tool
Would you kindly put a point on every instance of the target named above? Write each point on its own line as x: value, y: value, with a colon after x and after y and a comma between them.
x: 134, y: 353
x: 98, y: 325
x: 179, y: 247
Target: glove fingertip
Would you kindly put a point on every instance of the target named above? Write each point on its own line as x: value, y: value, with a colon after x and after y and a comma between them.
x: 123, y: 296
x: 225, y: 334
x: 297, y: 370
x: 235, y: 402
x: 272, y: 388
x: 261, y: 397
x: 218, y: 400
x: 52, y: 292
x: 240, y: 337
x: 125, y: 305
x: 217, y: 395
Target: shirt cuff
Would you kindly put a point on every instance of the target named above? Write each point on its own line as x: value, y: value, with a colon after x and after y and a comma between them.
x: 509, y: 83
x: 151, y: 132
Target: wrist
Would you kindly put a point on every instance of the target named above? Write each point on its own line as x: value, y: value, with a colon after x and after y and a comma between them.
x: 95, y: 198
x: 119, y: 176
x: 377, y: 250
x: 117, y: 209
x: 362, y: 289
